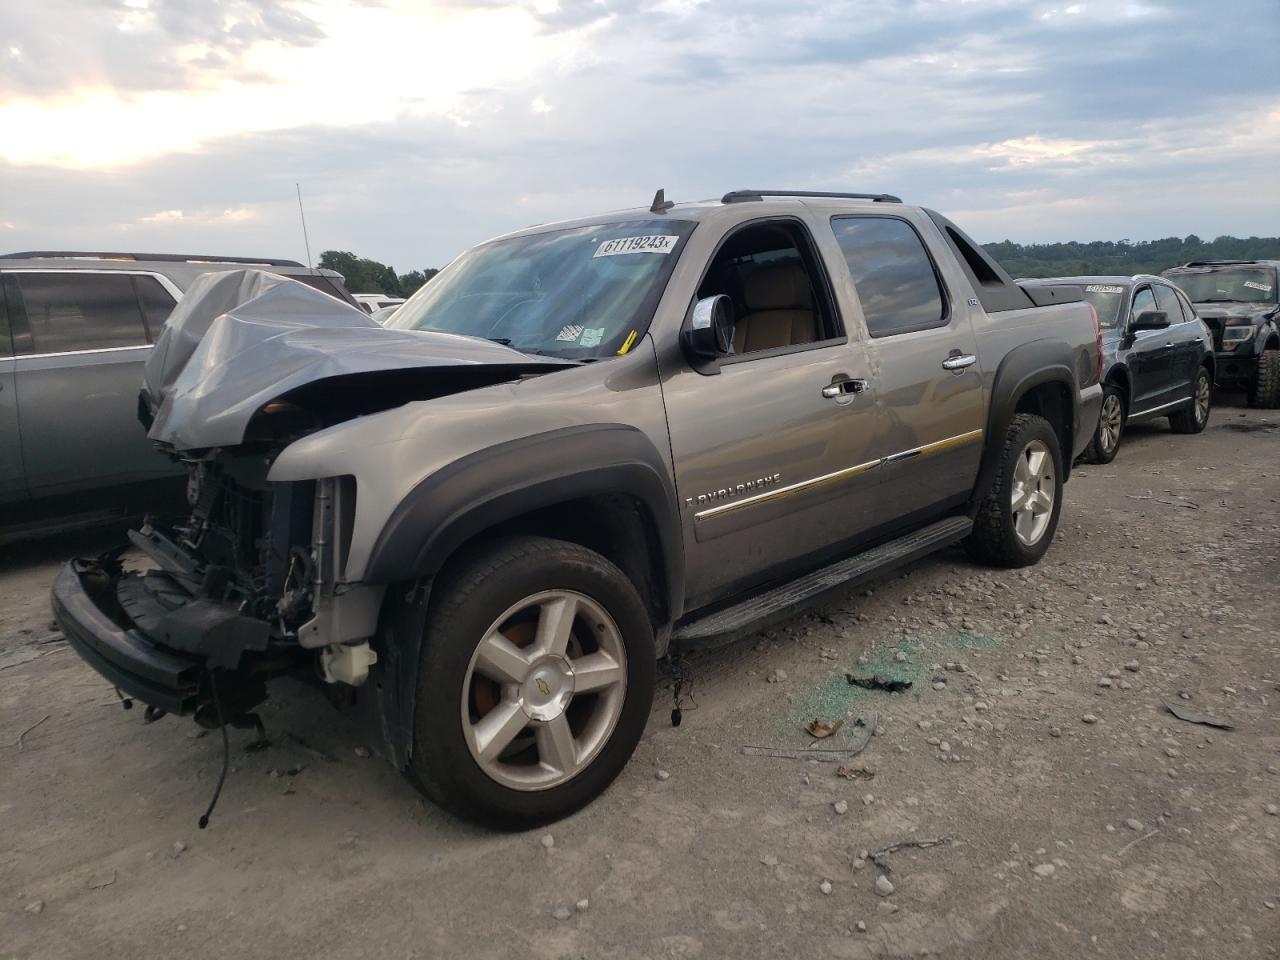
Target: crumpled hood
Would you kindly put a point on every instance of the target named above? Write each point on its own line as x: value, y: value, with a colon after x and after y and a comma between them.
x: 240, y: 339
x: 1254, y: 313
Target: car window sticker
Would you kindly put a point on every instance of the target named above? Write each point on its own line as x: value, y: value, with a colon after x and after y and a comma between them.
x: 661, y: 243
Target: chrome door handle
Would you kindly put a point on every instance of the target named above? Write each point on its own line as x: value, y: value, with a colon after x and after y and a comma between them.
x: 959, y: 362
x: 839, y: 388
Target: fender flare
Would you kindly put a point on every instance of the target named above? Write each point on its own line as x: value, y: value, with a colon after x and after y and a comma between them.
x: 499, y: 483
x: 1024, y: 368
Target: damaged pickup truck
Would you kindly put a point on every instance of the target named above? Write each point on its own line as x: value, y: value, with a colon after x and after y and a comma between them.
x: 580, y: 447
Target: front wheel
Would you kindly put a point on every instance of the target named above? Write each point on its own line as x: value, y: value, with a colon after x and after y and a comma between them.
x: 1264, y: 391
x: 1016, y: 522
x: 1194, y: 417
x: 535, y: 684
x: 1106, y: 438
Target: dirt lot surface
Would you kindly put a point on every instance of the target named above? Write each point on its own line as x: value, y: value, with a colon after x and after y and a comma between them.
x: 1079, y: 817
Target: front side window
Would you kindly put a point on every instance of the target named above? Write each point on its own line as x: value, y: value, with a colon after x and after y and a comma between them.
x: 81, y: 311
x: 780, y: 297
x: 1168, y: 302
x: 157, y: 303
x: 895, y: 279
x: 578, y: 292
x: 1234, y: 285
x: 1144, y: 301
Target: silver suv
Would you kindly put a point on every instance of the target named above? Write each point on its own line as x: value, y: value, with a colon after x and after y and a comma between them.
x: 75, y: 330
x: 580, y: 446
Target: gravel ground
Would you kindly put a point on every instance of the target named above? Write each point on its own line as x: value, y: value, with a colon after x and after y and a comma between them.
x: 1077, y: 815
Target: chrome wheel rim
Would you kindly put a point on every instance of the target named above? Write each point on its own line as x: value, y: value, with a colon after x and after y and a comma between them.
x: 1202, y: 398
x: 1110, y: 422
x: 544, y: 690
x: 1033, y: 492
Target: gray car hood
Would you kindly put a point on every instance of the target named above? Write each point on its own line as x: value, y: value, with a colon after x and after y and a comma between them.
x: 240, y: 339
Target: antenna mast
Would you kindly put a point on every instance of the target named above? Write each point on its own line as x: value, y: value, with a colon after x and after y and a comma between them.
x: 306, y: 242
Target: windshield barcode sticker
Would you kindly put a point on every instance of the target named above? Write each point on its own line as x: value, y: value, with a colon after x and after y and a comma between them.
x: 1264, y: 287
x: 569, y: 332
x: 657, y: 244
x: 1102, y: 288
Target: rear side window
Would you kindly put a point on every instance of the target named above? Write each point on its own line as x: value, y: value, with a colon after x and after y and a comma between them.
x: 156, y: 302
x: 1168, y: 302
x: 81, y: 311
x: 895, y: 279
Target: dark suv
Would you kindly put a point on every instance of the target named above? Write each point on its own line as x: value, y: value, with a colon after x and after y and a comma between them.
x: 75, y: 331
x: 1238, y: 301
x: 1157, y: 357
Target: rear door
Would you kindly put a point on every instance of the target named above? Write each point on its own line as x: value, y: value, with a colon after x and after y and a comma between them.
x: 81, y: 340
x: 1150, y: 360
x: 925, y: 371
x: 12, y: 482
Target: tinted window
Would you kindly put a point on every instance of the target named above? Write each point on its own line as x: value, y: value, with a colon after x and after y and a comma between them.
x: 6, y: 341
x: 81, y: 311
x: 892, y: 272
x: 156, y: 303
x: 1143, y: 301
x: 1168, y: 301
x: 1107, y: 299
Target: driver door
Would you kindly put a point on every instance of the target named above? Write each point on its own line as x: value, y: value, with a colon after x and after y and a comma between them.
x: 773, y: 457
x: 1150, y: 360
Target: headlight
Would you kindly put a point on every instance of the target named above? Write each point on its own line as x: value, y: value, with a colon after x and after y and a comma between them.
x: 1236, y: 334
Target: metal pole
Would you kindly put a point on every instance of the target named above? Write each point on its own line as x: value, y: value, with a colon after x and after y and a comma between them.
x: 303, y: 216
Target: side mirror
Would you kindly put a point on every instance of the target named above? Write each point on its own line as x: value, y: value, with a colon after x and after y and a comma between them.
x: 1151, y: 320
x: 708, y: 333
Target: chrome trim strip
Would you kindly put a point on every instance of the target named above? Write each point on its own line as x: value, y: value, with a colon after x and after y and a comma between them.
x: 81, y: 353
x: 1163, y: 406
x: 847, y: 472
x: 789, y: 489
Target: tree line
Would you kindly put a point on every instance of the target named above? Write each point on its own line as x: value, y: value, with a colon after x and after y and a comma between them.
x: 1125, y: 258
x: 363, y: 275
x: 1105, y: 257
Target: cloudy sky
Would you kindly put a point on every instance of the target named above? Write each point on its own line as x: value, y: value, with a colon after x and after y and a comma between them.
x: 417, y: 129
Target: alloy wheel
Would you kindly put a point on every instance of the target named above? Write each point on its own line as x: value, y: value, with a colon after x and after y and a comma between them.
x: 1202, y: 398
x: 1031, y: 500
x: 1110, y: 422
x: 544, y: 690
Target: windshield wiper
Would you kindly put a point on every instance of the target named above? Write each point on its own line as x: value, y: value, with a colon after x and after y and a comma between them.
x: 1222, y: 300
x: 505, y: 341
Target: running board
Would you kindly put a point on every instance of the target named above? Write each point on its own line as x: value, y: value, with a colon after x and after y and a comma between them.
x: 785, y: 599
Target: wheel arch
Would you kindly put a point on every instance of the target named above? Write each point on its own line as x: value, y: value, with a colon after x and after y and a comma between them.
x: 1036, y: 377
x: 604, y: 486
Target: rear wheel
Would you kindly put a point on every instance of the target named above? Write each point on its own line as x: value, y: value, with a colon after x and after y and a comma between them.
x: 1106, y: 438
x: 1016, y: 522
x: 1264, y: 391
x: 1194, y: 417
x: 535, y: 684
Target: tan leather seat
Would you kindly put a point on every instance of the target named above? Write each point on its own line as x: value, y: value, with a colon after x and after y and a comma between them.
x: 779, y: 309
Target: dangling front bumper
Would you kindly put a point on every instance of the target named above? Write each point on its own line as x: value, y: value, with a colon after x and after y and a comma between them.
x: 84, y: 594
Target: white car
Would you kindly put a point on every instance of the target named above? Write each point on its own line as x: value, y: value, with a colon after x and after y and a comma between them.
x: 370, y: 302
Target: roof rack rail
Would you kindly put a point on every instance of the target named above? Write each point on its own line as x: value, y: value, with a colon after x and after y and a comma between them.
x: 1215, y: 263
x: 740, y: 196
x: 158, y: 257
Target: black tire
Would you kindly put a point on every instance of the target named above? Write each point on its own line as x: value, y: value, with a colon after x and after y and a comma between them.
x: 994, y: 539
x: 465, y: 602
x: 1192, y: 418
x: 1264, y: 391
x: 1099, y: 450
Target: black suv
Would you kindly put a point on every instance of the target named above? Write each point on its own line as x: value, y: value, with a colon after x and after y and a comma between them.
x: 1238, y: 301
x: 1156, y: 353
